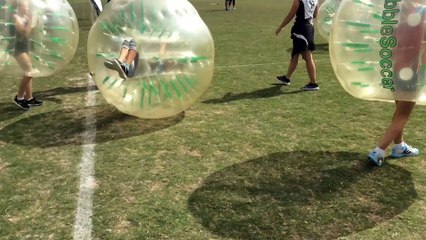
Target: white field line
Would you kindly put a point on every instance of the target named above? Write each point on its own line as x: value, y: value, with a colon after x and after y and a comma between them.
x: 83, y: 219
x: 249, y: 65
x: 284, y: 63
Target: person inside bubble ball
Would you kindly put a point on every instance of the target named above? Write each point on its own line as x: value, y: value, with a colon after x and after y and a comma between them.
x: 302, y: 34
x: 127, y: 62
x: 407, y: 61
x: 21, y: 28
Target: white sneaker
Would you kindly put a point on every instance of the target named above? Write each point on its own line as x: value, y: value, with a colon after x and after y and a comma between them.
x: 404, y: 151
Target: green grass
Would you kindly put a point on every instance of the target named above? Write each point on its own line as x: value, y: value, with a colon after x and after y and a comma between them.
x: 249, y: 160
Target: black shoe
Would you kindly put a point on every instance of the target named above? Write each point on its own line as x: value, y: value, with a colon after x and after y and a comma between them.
x: 21, y: 103
x: 311, y: 87
x: 122, y: 70
x: 109, y: 64
x: 283, y: 80
x: 34, y: 102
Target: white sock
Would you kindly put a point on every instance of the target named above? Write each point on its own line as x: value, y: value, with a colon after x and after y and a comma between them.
x: 20, y: 98
x: 400, y: 145
x: 380, y: 151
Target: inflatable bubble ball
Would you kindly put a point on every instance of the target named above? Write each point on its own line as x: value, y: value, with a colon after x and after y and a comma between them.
x: 377, y: 49
x: 37, y: 37
x: 326, y: 13
x: 151, y: 59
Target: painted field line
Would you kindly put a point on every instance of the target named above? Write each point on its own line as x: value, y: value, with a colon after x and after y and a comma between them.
x: 285, y: 63
x: 249, y: 65
x: 83, y: 219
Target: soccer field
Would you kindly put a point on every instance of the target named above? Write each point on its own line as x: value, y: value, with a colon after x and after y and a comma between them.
x: 249, y: 160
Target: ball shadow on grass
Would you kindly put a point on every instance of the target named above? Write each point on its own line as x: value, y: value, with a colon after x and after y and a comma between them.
x: 9, y: 110
x: 66, y: 127
x: 301, y: 195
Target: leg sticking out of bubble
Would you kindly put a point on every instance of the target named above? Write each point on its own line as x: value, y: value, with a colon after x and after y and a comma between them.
x: 127, y: 62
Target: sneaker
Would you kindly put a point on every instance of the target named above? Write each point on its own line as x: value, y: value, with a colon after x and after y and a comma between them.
x: 283, y: 80
x: 404, y: 151
x: 311, y: 87
x: 120, y: 68
x: 376, y: 158
x: 21, y: 103
x: 34, y: 102
x: 109, y: 64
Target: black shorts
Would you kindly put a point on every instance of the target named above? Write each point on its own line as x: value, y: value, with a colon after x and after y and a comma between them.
x: 303, y: 38
x: 19, y: 46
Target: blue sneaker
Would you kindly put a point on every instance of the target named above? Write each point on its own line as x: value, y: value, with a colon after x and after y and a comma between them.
x: 376, y: 158
x: 404, y: 151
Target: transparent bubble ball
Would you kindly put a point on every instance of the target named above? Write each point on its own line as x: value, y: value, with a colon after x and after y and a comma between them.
x: 175, y: 61
x: 377, y: 49
x: 51, y: 42
x: 326, y: 13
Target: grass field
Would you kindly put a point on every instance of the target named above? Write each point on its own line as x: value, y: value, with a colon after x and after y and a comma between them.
x: 249, y: 160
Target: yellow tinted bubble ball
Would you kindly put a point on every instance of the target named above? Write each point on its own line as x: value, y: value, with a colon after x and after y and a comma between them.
x: 151, y: 59
x: 45, y: 32
x: 326, y: 13
x: 377, y: 49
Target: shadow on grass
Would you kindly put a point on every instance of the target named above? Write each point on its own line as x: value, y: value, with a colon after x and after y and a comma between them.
x: 66, y: 127
x: 301, y: 195
x: 273, y: 91
x: 50, y: 95
x: 215, y: 10
x: 9, y: 110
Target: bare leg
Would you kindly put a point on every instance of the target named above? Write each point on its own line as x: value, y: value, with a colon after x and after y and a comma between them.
x: 25, y: 86
x: 123, y: 54
x: 29, y: 89
x: 131, y: 56
x: 292, y: 66
x: 310, y: 66
x: 395, y: 130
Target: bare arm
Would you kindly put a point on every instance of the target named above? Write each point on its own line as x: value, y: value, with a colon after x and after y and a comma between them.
x: 22, y: 25
x: 289, y: 16
x: 316, y: 12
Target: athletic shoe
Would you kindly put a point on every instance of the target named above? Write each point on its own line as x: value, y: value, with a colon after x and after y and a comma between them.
x: 283, y: 80
x: 109, y: 64
x: 34, y: 102
x: 120, y: 68
x: 376, y: 158
x: 311, y: 87
x: 132, y: 44
x: 21, y: 103
x: 404, y: 151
